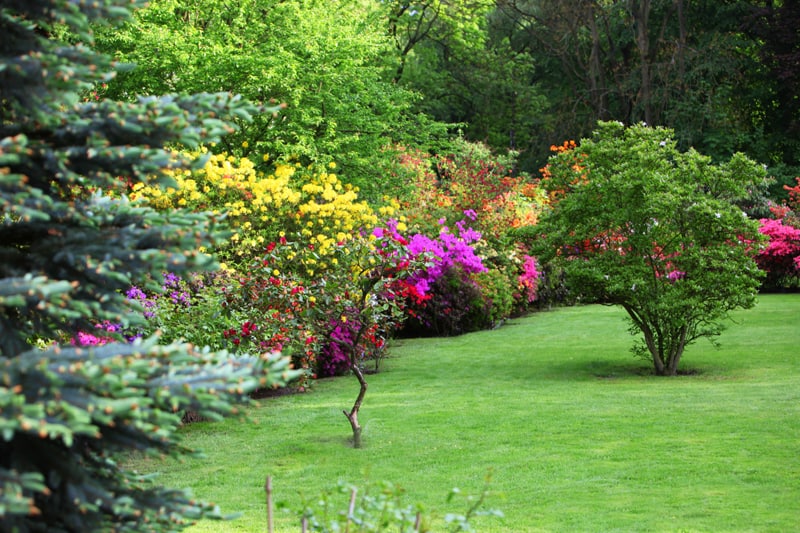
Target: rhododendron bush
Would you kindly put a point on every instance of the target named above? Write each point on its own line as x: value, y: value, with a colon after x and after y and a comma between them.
x: 780, y: 259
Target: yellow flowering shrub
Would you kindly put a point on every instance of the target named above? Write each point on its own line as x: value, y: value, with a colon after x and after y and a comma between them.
x: 259, y: 206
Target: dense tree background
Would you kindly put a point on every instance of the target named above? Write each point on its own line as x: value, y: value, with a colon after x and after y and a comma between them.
x: 722, y: 74
x: 358, y: 76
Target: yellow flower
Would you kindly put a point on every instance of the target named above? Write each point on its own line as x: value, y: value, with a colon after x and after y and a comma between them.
x: 312, y: 299
x: 245, y: 144
x: 332, y: 165
x: 343, y: 319
x: 276, y: 272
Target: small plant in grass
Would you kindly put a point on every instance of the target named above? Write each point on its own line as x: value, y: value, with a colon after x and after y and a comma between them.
x: 381, y: 508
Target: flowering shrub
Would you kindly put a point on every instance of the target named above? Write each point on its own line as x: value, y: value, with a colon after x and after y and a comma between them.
x: 528, y: 279
x: 780, y: 259
x: 448, y: 250
x: 456, y: 305
x: 308, y: 200
x: 99, y: 338
x: 473, y: 179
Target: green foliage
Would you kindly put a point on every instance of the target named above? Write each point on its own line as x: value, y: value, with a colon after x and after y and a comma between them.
x: 381, y: 508
x: 68, y: 254
x: 497, y: 289
x: 637, y: 223
x: 322, y: 61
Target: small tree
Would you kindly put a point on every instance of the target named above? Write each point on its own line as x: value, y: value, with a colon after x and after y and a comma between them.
x: 636, y: 223
x: 67, y: 254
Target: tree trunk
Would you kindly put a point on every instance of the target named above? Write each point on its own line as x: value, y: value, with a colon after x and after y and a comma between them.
x: 676, y: 351
x: 352, y: 416
x: 641, y: 16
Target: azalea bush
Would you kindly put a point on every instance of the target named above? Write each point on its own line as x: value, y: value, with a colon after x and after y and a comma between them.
x: 780, y: 259
x: 455, y: 302
x: 473, y: 182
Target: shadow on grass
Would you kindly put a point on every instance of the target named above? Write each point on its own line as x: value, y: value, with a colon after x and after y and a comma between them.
x: 611, y: 370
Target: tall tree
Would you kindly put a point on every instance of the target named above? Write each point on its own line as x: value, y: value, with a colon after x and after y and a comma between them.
x: 685, y: 65
x: 325, y: 61
x: 67, y: 254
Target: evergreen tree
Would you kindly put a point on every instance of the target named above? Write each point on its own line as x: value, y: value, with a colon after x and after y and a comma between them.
x: 68, y: 251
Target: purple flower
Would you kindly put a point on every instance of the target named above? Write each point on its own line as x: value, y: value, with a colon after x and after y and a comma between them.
x: 135, y: 293
x: 171, y: 280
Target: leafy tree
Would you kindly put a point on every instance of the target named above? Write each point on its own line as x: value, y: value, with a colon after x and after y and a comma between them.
x: 637, y: 223
x: 68, y: 254
x: 447, y: 51
x: 324, y: 61
x: 775, y: 108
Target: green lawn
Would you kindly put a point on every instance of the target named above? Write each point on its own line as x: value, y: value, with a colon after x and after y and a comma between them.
x: 578, y: 434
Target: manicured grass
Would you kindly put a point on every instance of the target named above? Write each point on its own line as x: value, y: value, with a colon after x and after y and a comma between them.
x: 578, y: 434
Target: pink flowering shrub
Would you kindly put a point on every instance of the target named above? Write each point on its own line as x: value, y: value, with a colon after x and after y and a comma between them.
x: 448, y: 250
x: 528, y: 280
x: 455, y: 302
x: 780, y: 259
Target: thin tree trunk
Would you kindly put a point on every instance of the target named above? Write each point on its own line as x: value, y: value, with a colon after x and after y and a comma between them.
x: 677, y: 352
x: 352, y: 416
x: 641, y: 16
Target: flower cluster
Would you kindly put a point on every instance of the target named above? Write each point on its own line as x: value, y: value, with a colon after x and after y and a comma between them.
x: 781, y: 257
x: 529, y: 278
x: 259, y: 205
x: 448, y: 249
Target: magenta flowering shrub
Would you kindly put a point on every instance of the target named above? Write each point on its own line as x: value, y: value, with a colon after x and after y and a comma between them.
x: 528, y: 280
x: 103, y: 335
x: 454, y: 300
x: 448, y: 250
x: 780, y: 259
x: 456, y: 305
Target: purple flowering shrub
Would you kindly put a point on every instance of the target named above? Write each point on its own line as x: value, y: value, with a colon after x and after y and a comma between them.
x: 190, y: 309
x: 448, y: 249
x: 455, y: 301
x: 456, y: 306
x: 334, y: 356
